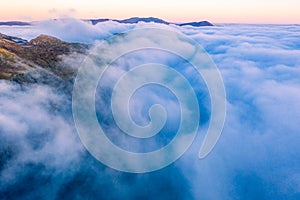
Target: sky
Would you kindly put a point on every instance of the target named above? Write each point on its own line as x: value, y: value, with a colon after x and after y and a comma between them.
x: 216, y: 11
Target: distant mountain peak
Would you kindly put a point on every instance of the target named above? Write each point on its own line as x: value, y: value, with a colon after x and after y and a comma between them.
x: 134, y: 20
x: 14, y: 23
x: 197, y: 24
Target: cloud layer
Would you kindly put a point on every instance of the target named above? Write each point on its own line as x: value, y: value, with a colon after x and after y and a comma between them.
x: 257, y: 156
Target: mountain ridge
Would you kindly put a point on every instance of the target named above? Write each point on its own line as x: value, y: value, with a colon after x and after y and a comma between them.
x: 132, y: 20
x: 36, y: 60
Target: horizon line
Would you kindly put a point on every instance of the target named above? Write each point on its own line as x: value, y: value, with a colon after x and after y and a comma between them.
x: 171, y: 22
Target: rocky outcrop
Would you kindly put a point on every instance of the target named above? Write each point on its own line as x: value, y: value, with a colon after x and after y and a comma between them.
x: 20, y: 60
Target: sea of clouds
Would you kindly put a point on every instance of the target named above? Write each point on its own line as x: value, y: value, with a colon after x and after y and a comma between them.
x: 257, y: 156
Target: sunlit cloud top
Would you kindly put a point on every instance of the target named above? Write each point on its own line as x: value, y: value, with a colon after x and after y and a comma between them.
x: 240, y: 11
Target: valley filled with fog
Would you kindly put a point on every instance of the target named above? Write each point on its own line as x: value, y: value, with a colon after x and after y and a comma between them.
x: 256, y: 157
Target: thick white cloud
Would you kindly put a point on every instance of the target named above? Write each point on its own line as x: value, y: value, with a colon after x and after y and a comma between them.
x: 257, y: 156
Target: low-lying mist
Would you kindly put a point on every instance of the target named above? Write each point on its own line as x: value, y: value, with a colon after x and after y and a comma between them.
x: 257, y: 156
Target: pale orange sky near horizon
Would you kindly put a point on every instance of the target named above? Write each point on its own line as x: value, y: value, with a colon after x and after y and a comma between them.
x: 216, y: 11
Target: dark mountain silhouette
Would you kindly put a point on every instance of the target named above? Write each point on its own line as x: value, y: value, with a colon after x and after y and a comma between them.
x: 197, y: 24
x: 134, y: 20
x: 96, y: 21
x: 14, y: 23
x: 131, y: 20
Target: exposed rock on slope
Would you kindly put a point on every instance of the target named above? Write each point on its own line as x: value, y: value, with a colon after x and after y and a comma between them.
x: 25, y: 61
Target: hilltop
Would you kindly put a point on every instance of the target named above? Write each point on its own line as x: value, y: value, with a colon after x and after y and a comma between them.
x: 37, y: 60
